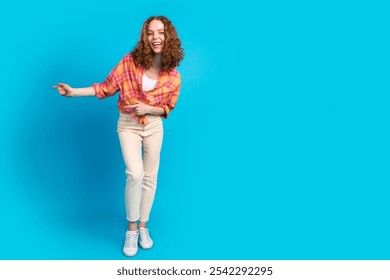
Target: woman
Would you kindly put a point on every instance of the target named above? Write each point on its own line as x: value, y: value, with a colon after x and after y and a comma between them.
x: 149, y: 86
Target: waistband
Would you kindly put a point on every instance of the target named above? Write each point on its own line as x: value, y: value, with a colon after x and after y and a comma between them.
x: 128, y: 117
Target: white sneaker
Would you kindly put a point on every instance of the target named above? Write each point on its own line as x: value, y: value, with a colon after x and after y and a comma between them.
x: 130, y: 248
x: 144, y: 239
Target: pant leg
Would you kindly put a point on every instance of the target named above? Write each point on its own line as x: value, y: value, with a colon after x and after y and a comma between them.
x: 131, y: 142
x: 152, y: 142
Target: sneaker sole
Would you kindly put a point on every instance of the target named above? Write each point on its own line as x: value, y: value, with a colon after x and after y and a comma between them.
x: 145, y: 248
x: 128, y: 255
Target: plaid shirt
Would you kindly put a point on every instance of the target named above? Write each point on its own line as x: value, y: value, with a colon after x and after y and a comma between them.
x: 126, y: 77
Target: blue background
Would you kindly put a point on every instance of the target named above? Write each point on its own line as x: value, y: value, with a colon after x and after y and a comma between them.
x: 278, y: 148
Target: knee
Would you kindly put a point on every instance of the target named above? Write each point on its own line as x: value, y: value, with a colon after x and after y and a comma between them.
x: 135, y: 175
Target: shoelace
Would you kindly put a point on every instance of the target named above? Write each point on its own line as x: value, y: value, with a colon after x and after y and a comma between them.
x: 131, y: 240
x: 145, y: 234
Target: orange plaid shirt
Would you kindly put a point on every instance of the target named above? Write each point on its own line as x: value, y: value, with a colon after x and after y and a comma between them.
x: 126, y: 78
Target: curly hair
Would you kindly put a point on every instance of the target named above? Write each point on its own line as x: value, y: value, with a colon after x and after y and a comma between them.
x: 172, y: 52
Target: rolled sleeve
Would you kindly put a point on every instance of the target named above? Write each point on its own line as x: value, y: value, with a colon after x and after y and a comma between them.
x: 99, y: 92
x: 167, y: 110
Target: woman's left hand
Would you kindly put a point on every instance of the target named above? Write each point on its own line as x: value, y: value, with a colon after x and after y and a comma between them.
x: 139, y: 108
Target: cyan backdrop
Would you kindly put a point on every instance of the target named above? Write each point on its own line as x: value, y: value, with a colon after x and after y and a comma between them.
x: 278, y: 147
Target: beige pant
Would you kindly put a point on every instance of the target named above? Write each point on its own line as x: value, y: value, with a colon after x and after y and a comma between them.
x: 141, y: 146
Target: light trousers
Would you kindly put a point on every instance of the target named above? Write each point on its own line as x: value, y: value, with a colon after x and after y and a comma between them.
x: 141, y: 146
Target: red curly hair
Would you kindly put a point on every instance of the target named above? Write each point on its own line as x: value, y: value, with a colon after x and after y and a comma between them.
x: 172, y: 52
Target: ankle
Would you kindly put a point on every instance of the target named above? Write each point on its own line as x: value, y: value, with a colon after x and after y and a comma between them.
x: 142, y: 225
x: 132, y: 226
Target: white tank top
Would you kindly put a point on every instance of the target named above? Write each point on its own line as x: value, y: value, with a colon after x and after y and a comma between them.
x: 148, y: 83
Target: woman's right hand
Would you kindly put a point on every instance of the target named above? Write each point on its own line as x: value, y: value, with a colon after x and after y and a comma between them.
x: 64, y: 89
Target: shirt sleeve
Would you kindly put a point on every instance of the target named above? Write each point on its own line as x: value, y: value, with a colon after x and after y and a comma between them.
x: 112, y: 83
x: 175, y: 86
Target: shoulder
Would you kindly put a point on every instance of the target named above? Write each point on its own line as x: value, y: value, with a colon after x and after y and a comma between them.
x: 175, y: 78
x: 128, y: 58
x: 175, y: 73
x: 129, y: 63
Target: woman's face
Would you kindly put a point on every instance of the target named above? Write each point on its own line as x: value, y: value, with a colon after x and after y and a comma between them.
x: 156, y: 35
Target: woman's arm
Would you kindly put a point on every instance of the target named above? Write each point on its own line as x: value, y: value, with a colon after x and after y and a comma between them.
x: 155, y: 110
x: 66, y: 90
x: 141, y: 109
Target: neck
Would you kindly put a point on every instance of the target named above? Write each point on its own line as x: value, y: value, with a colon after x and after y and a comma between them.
x: 157, y: 61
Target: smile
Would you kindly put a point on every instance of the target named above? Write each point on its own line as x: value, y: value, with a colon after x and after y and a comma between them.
x: 156, y: 44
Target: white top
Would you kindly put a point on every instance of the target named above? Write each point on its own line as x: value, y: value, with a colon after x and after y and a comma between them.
x: 148, y: 83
